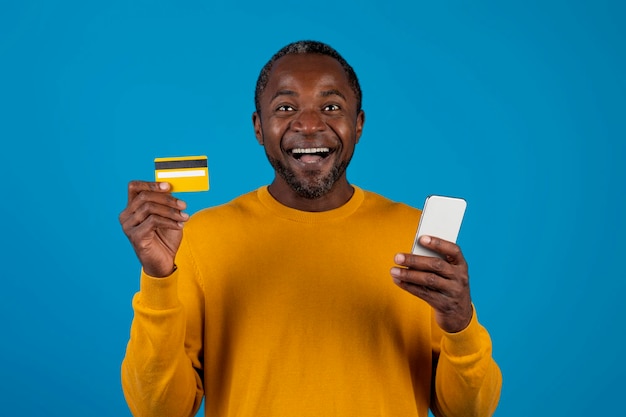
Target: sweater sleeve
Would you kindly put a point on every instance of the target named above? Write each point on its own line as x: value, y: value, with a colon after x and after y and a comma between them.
x: 162, y: 368
x: 467, y: 379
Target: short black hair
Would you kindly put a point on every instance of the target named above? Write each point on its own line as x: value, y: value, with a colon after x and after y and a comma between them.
x: 306, y: 47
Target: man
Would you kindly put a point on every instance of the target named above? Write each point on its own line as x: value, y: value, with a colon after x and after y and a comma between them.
x: 280, y: 302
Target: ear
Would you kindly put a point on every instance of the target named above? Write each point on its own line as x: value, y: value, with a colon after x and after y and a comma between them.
x: 256, y: 123
x: 360, y: 120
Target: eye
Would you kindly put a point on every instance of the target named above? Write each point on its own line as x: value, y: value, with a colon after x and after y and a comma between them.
x: 285, y: 107
x: 331, y: 107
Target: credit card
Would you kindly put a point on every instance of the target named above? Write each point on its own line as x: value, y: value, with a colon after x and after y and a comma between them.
x: 184, y: 173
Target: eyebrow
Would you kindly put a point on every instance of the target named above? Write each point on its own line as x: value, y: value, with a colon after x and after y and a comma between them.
x: 325, y: 93
x: 332, y: 92
x: 284, y: 93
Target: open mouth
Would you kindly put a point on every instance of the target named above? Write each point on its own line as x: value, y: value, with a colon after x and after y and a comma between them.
x: 310, y: 155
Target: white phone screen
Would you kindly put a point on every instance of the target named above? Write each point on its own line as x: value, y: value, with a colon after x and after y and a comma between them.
x: 441, y: 217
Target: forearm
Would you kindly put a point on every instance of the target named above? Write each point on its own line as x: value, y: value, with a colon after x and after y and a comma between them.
x: 467, y: 381
x: 158, y: 377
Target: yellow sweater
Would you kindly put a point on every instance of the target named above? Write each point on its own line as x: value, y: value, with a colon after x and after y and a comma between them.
x: 278, y: 312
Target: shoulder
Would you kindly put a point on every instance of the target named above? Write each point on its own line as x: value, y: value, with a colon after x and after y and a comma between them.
x: 376, y: 202
x: 225, y: 214
x: 379, y: 211
x: 386, y: 220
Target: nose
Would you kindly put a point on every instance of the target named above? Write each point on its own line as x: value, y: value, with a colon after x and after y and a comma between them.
x: 308, y: 121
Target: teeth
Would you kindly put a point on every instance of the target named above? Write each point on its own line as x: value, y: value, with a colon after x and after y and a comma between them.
x: 310, y: 150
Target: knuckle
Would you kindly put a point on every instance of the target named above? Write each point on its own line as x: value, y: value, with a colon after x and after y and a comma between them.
x: 431, y: 279
x: 145, y: 209
x: 462, y: 276
x: 142, y: 196
x: 423, y: 292
x: 437, y: 264
x: 464, y: 280
x: 174, y: 213
x: 127, y: 233
x: 152, y: 220
x: 136, y: 186
x: 173, y: 201
x: 447, y: 308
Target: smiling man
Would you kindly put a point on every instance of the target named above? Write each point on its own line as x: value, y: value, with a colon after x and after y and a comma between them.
x: 282, y: 302
x: 310, y: 123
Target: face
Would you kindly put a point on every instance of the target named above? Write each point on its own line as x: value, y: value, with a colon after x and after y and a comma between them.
x: 308, y: 125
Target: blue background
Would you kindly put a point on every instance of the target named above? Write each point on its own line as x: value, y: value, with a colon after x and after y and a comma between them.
x: 517, y: 106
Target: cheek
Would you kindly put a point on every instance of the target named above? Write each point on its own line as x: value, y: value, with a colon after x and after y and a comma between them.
x: 274, y: 134
x: 346, y: 133
x: 273, y: 131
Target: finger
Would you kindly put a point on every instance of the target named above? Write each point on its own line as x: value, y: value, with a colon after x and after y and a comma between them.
x: 151, y: 199
x: 426, y: 263
x: 147, y: 197
x: 151, y: 210
x: 452, y: 313
x: 136, y: 187
x: 441, y: 293
x: 450, y: 251
x: 428, y: 280
x: 139, y: 234
x: 434, y: 298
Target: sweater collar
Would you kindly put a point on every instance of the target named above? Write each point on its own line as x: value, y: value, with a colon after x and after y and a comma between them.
x: 289, y: 213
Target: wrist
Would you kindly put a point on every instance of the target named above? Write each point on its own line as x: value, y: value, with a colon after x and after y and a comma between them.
x: 157, y: 273
x: 159, y: 293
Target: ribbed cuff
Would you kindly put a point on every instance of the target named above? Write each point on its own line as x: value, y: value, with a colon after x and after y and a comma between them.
x: 159, y: 293
x: 466, y: 342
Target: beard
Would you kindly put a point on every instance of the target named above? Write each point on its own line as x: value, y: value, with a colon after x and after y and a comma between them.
x: 313, y: 184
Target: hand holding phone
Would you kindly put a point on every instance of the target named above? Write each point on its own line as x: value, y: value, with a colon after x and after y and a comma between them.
x: 441, y: 217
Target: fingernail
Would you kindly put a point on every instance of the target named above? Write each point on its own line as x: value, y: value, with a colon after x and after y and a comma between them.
x: 164, y: 185
x: 395, y: 272
x: 185, y: 215
x: 399, y: 258
x: 425, y: 240
x: 181, y: 204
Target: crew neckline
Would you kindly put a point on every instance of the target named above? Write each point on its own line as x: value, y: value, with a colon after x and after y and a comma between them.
x: 289, y: 213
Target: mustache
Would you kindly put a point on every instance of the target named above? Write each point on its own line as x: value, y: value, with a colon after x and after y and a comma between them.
x: 316, y: 139
x: 307, y: 136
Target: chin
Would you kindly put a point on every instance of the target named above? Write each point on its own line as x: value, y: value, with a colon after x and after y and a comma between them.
x: 310, y: 185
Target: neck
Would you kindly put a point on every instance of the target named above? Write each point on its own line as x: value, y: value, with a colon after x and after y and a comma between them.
x: 338, y: 195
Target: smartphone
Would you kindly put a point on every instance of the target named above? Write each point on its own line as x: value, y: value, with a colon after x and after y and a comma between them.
x: 441, y: 217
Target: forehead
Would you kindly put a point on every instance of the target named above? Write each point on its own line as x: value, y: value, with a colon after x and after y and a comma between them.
x: 308, y: 71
